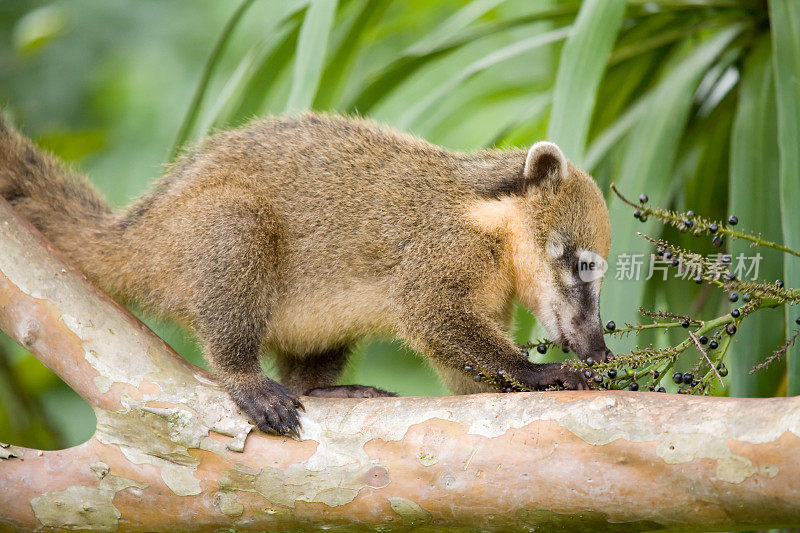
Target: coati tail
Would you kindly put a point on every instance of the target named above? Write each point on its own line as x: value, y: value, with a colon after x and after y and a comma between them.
x: 58, y: 202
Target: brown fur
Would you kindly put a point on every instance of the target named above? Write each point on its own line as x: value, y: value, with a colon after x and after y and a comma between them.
x: 302, y: 235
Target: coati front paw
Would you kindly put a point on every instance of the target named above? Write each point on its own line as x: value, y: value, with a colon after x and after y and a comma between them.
x: 272, y: 407
x: 348, y: 391
x: 553, y: 375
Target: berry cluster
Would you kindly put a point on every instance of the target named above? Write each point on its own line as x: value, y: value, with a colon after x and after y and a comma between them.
x: 648, y: 368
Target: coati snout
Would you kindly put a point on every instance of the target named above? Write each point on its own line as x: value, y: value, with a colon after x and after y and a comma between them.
x: 300, y: 235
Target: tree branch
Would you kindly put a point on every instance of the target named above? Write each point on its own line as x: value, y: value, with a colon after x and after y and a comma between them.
x: 172, y: 452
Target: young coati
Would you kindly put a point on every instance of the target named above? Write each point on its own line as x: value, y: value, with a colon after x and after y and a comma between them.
x: 303, y: 234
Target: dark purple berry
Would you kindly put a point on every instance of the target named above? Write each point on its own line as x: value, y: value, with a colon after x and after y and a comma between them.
x: 587, y: 373
x: 637, y: 213
x: 703, y: 339
x: 734, y: 297
x: 733, y: 220
x: 610, y: 325
x: 746, y: 298
x: 797, y: 320
x: 685, y: 324
x: 690, y: 213
x: 542, y: 348
x: 725, y: 259
x: 612, y: 373
x: 730, y: 329
x: 667, y: 254
x: 598, y: 378
x: 779, y: 283
x: 643, y: 198
x: 698, y: 280
x: 675, y: 262
x: 677, y: 377
x: 467, y: 368
x: 731, y: 276
x: 722, y: 369
x: 661, y: 389
x: 688, y: 223
x: 713, y: 228
x: 688, y: 378
x: 717, y: 241
x: 656, y: 374
x: 713, y: 344
x: 477, y: 377
x: 735, y: 313
x: 633, y: 386
x: 589, y: 361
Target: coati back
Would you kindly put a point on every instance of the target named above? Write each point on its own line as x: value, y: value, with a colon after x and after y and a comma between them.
x: 302, y: 235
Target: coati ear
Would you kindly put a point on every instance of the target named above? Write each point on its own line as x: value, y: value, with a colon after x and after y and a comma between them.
x: 545, y: 165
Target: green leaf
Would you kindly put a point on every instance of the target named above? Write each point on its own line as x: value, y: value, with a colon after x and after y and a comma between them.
x: 785, y: 23
x: 259, y: 95
x: 311, y: 47
x: 418, y: 109
x: 213, y: 60
x: 341, y: 60
x: 456, y: 22
x: 239, y: 84
x: 418, y: 55
x: 753, y: 185
x: 581, y: 66
x: 647, y: 166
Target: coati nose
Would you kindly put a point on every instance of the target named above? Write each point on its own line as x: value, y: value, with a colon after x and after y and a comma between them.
x: 602, y: 355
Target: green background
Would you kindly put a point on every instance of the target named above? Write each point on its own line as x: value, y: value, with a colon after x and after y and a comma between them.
x: 695, y: 102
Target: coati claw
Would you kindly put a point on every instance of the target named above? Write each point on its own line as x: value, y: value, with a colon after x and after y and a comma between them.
x: 271, y: 406
x: 348, y: 391
x: 554, y: 375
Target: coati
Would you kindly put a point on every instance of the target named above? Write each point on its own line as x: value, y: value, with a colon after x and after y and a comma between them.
x: 303, y: 234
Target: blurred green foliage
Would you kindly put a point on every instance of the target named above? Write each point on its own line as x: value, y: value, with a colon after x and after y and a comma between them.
x: 666, y: 97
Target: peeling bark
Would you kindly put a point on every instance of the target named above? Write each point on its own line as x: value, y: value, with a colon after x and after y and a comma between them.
x: 172, y: 452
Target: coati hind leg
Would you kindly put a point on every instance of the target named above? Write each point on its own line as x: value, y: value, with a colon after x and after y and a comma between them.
x: 235, y: 250
x: 317, y: 374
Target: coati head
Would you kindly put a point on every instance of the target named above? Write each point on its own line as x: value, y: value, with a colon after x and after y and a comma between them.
x: 556, y: 225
